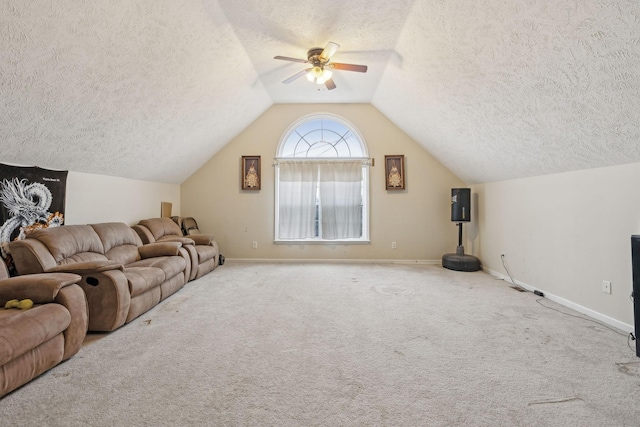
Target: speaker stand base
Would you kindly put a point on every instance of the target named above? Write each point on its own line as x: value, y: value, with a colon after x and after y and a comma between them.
x: 460, y: 262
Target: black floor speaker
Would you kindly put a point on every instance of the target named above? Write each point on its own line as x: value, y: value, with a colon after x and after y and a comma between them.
x: 635, y: 262
x: 460, y: 212
x: 460, y: 204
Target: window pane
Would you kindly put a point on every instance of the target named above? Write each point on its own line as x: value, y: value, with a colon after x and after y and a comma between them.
x: 321, y: 138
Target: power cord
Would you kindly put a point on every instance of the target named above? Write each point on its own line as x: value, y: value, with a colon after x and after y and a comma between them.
x: 581, y: 317
x: 630, y: 336
x: 513, y: 282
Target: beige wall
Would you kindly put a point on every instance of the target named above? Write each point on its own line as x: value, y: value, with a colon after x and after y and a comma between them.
x: 564, y: 234
x: 418, y: 218
x: 99, y: 198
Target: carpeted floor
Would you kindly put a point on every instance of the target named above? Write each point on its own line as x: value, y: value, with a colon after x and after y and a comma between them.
x: 343, y: 345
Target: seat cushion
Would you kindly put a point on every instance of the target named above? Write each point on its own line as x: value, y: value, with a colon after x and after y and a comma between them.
x: 174, y: 238
x: 142, y: 278
x: 206, y: 253
x: 21, y: 331
x: 170, y: 265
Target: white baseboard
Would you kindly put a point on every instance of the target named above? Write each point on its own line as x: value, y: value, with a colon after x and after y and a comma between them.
x: 625, y: 327
x: 339, y: 261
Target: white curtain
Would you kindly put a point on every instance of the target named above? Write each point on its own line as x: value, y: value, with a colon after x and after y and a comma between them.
x: 297, y: 193
x: 341, y: 199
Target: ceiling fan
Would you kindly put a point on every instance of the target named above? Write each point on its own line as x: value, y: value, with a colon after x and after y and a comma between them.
x: 321, y: 65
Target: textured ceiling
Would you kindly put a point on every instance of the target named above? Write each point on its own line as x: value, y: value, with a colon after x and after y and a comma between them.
x: 152, y: 89
x: 506, y: 89
x: 140, y: 89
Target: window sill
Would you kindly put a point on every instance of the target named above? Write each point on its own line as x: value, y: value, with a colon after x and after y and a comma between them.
x: 323, y: 242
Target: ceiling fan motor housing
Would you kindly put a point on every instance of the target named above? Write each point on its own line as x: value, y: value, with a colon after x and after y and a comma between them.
x: 313, y: 55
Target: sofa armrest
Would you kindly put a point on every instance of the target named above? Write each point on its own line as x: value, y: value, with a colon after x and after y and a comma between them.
x: 87, y: 267
x: 40, y: 288
x: 144, y: 233
x: 73, y: 298
x: 180, y: 239
x: 31, y: 256
x: 108, y: 297
x: 203, y: 239
x: 153, y: 250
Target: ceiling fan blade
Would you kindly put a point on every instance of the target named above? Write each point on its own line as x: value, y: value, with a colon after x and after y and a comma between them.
x: 296, y: 76
x: 286, y: 58
x: 349, y: 67
x: 330, y: 84
x: 329, y: 51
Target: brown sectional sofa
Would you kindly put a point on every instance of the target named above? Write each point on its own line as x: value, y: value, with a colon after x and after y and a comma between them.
x: 202, y: 248
x: 121, y: 277
x: 35, y: 340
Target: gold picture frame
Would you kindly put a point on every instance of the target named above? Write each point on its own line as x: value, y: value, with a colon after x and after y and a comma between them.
x: 250, y: 178
x: 394, y: 173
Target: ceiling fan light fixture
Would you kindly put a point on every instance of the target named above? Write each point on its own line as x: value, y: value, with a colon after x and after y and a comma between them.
x: 319, y: 75
x: 326, y: 75
x: 317, y: 71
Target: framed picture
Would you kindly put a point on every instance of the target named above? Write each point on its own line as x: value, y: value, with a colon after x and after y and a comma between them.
x: 394, y: 172
x: 250, y: 178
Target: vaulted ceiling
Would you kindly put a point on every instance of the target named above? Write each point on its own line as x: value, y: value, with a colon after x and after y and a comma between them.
x: 152, y: 89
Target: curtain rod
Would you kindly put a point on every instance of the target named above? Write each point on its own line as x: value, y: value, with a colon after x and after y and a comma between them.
x: 370, y: 161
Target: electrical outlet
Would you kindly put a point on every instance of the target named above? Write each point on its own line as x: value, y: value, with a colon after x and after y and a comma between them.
x: 606, y: 286
x: 254, y: 245
x: 394, y: 245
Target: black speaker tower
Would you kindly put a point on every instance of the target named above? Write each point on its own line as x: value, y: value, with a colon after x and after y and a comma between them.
x: 460, y: 212
x: 635, y: 262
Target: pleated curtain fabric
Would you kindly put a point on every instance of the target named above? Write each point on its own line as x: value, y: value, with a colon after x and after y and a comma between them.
x: 341, y: 200
x: 297, y: 193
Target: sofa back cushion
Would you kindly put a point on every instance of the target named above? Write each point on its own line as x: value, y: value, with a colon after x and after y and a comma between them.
x: 119, y: 240
x: 160, y: 227
x: 70, y: 243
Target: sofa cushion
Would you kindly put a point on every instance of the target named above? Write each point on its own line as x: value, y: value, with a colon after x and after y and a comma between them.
x: 69, y: 244
x: 170, y: 265
x: 120, y: 242
x: 143, y: 278
x: 205, y: 253
x: 161, y: 227
x: 125, y: 254
x: 21, y: 331
x: 83, y: 257
x: 173, y: 238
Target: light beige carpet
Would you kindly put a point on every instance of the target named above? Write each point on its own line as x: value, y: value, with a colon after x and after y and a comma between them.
x: 343, y: 345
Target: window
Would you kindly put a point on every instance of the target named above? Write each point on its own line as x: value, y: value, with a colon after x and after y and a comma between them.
x: 322, y: 190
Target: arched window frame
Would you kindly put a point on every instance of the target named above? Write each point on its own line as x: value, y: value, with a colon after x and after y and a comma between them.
x: 363, y: 156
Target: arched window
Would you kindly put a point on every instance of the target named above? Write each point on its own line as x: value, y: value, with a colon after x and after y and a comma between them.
x: 322, y: 176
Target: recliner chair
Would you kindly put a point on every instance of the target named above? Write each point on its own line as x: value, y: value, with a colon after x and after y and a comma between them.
x: 35, y: 340
x: 202, y: 248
